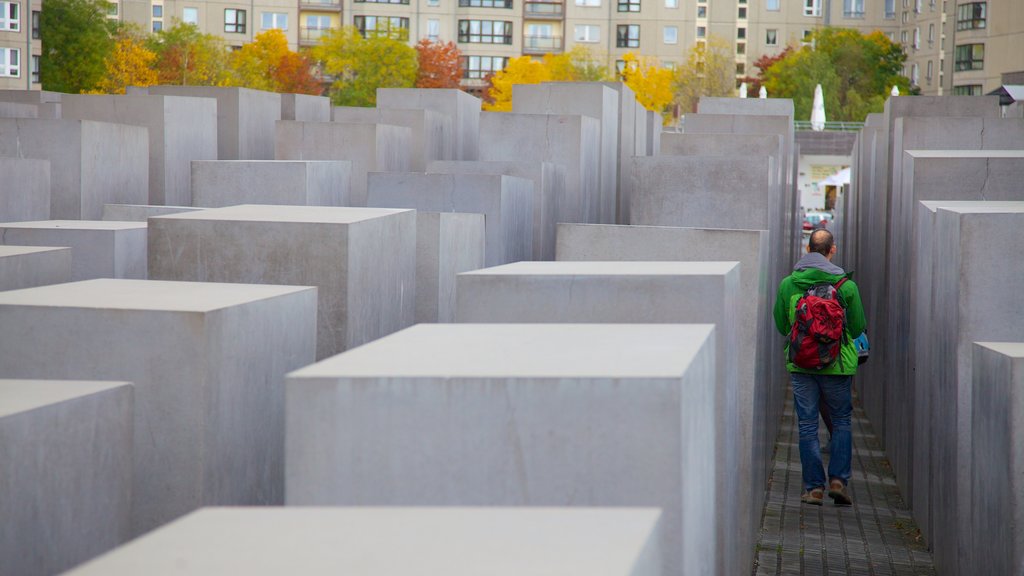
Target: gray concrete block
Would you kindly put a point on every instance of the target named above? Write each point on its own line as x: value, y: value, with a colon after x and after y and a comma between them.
x: 362, y: 261
x: 446, y: 243
x: 181, y: 129
x: 305, y: 108
x: 432, y: 132
x: 17, y: 110
x: 632, y: 292
x: 245, y: 118
x: 140, y: 212
x: 207, y: 362
x: 219, y: 183
x: 462, y: 107
x: 26, y: 193
x: 654, y: 128
x: 745, y: 106
x: 562, y: 415
x: 585, y: 99
x: 572, y: 141
x: 632, y: 142
x: 29, y: 266
x: 370, y: 148
x: 997, y: 475
x: 388, y: 541
x: 66, y: 482
x: 548, y: 187
x: 30, y: 96
x: 99, y: 248
x: 92, y: 163
x: 505, y: 202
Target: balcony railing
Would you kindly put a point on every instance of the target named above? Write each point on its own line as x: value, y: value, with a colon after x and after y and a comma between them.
x: 323, y: 5
x: 544, y: 9
x: 309, y: 36
x: 542, y: 44
x: 859, y: 14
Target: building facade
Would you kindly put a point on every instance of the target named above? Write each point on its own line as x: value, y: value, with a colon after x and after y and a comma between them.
x: 20, y: 48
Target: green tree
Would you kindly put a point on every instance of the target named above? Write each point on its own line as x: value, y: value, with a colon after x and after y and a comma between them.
x: 709, y: 70
x: 856, y: 73
x: 361, y: 65
x: 187, y: 57
x: 77, y: 38
x: 130, y: 63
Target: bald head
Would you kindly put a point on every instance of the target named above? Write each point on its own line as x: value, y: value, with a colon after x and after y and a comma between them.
x: 821, y: 242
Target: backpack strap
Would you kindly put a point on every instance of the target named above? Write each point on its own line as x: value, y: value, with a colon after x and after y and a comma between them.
x: 840, y: 283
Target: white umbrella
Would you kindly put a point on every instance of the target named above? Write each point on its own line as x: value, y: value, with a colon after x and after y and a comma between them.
x: 743, y: 90
x: 838, y: 179
x: 762, y: 93
x: 895, y: 90
x: 818, y: 110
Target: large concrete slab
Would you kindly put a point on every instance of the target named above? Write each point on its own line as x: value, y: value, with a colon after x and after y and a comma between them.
x: 26, y: 192
x: 632, y: 142
x: 745, y: 106
x: 505, y: 202
x: 305, y: 108
x: 447, y: 243
x: 18, y: 110
x: 462, y: 107
x: 389, y: 541
x: 207, y: 362
x: 66, y: 482
x: 561, y: 415
x: 29, y: 266
x: 548, y: 188
x: 997, y: 475
x: 432, y: 132
x: 141, y: 212
x: 362, y: 261
x: 572, y: 141
x: 99, y: 248
x: 220, y: 183
x: 591, y: 99
x: 92, y: 163
x: 181, y: 129
x: 370, y: 148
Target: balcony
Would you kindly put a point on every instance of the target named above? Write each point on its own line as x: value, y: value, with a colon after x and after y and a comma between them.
x: 320, y: 5
x: 311, y: 36
x: 542, y: 44
x: 543, y: 10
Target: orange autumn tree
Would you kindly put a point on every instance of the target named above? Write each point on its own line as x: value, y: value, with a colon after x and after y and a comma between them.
x: 187, y: 57
x: 129, y: 64
x: 266, y: 63
x: 439, y: 64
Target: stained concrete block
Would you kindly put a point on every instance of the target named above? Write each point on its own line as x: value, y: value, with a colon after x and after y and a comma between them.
x: 181, y: 129
x: 65, y: 486
x: 388, y: 541
x: 548, y: 187
x: 572, y: 141
x: 362, y: 261
x: 630, y: 292
x: 141, y: 212
x: 432, y: 133
x: 99, y: 248
x: 370, y: 148
x: 462, y: 107
x: 220, y: 183
x: 505, y: 202
x: 446, y: 243
x: 562, y: 415
x: 28, y: 266
x: 973, y: 246
x: 586, y: 99
x: 26, y: 192
x: 305, y: 108
x: 92, y: 163
x: 207, y: 362
x: 997, y: 475
x: 245, y: 119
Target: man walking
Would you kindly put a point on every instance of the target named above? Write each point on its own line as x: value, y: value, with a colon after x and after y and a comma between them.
x: 818, y: 307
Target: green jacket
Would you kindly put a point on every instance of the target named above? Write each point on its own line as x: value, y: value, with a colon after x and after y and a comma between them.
x: 794, y: 286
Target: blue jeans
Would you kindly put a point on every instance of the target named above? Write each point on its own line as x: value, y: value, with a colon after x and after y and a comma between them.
x: 807, y: 390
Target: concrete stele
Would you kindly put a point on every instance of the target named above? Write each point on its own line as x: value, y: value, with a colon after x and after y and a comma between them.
x: 463, y: 108
x: 305, y: 108
x: 99, y: 248
x: 221, y: 183
x: 26, y: 193
x: 30, y: 266
x: 432, y: 133
x: 141, y: 212
x: 447, y: 243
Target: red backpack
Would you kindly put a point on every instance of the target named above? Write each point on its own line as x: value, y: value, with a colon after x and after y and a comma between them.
x: 818, y: 327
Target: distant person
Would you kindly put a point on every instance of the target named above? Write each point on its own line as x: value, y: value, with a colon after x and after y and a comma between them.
x: 818, y: 307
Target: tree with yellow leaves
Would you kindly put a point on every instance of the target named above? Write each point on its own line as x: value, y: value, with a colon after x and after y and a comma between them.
x: 130, y: 64
x: 710, y: 70
x: 361, y: 65
x: 266, y: 63
x: 651, y: 83
x: 521, y: 70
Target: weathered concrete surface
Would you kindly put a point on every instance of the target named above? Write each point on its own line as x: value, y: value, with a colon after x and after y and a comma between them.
x: 432, y: 133
x: 389, y: 541
x: 29, y: 266
x: 25, y: 194
x: 632, y: 142
x: 305, y: 108
x: 99, y: 248
x: 66, y: 482
x: 447, y: 243
x: 220, y: 183
x: 140, y: 212
x: 362, y: 261
x: 207, y: 362
x: 562, y: 415
x: 745, y: 106
x: 18, y: 110
x: 462, y: 107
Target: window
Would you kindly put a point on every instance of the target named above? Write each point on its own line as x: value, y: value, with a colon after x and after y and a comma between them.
x: 10, y: 16
x: 808, y: 35
x: 928, y: 73
x: 702, y: 11
x: 383, y: 1
x: 906, y: 16
x: 772, y: 5
x: 382, y: 27
x: 588, y: 3
x: 853, y: 8
x: 812, y: 8
x: 970, y: 57
x: 890, y: 9
x: 629, y: 6
x: 433, y: 3
x: 35, y: 24
x: 670, y: 35
x: 741, y: 68
x: 702, y: 31
x: 903, y: 37
x: 587, y: 33
x: 484, y: 32
x: 433, y: 29
x: 627, y: 36
x: 741, y: 48
x: 190, y: 16
x: 741, y: 13
x: 112, y: 9
x: 477, y: 67
x: 771, y: 37
x: 967, y: 90
x: 671, y: 3
x: 931, y: 35
x: 35, y: 69
x: 277, y: 20
x: 620, y: 66
x: 915, y: 75
x: 158, y: 11
x: 917, y: 6
x: 158, y: 25
x: 971, y: 16
x: 234, y: 21
x: 10, y: 62
x: 485, y: 4
x: 741, y: 33
x: 917, y: 38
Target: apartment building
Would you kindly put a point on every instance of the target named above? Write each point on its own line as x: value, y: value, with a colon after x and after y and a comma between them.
x: 20, y: 48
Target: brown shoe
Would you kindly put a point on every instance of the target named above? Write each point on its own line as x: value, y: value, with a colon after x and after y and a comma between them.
x: 837, y: 492
x: 815, y: 496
